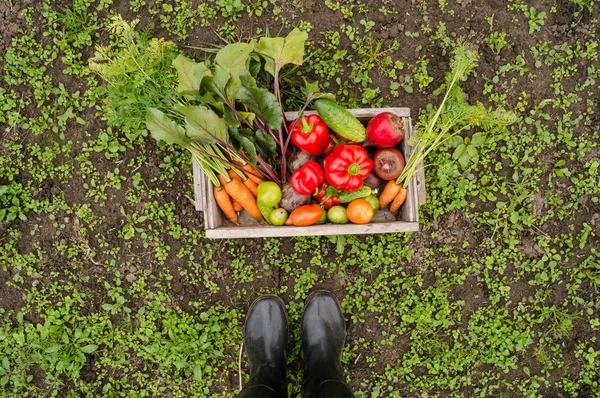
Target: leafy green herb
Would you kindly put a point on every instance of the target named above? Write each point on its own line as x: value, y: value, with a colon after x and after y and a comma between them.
x: 453, y: 115
x: 139, y: 75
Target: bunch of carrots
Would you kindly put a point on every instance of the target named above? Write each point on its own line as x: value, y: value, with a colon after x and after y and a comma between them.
x: 238, y: 190
x: 393, y: 193
x: 453, y: 116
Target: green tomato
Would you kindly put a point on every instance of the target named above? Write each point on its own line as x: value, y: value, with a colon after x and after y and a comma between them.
x: 269, y: 193
x: 372, y: 199
x: 278, y: 216
x: 337, y: 215
x: 323, y: 217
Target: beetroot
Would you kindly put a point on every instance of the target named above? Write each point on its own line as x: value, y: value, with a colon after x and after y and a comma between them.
x: 385, y: 130
x: 299, y: 159
x: 291, y: 200
x: 372, y: 180
x: 388, y: 163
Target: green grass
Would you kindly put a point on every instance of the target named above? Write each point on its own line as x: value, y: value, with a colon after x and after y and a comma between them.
x: 109, y: 287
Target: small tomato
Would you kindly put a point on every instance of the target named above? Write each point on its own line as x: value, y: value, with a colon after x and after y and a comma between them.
x: 337, y: 215
x: 269, y: 193
x: 374, y: 201
x: 278, y: 216
x: 323, y: 217
x: 360, y: 211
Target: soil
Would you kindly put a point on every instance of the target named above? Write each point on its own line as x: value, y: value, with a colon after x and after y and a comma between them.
x: 452, y: 227
x: 10, y: 19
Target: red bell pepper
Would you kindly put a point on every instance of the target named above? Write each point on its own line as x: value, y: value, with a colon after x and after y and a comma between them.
x: 311, y: 134
x: 329, y: 148
x: 326, y: 195
x: 307, y: 178
x: 347, y: 167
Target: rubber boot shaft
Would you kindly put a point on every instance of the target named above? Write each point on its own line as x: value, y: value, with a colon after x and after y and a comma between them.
x: 266, y: 341
x: 323, y: 332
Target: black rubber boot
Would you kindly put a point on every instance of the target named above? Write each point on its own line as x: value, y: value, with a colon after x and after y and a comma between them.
x: 323, y: 332
x: 266, y: 341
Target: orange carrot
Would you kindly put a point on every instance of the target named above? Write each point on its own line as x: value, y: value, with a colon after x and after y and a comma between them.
x: 224, y: 202
x: 398, y: 200
x: 253, y: 177
x: 234, y: 175
x: 390, y: 192
x: 251, y: 185
x: 238, y: 191
x: 236, y: 205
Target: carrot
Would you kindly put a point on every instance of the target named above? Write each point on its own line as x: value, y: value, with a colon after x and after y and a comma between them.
x: 238, y: 191
x: 234, y: 175
x: 236, y: 205
x: 251, y: 185
x: 390, y: 191
x: 398, y: 200
x: 252, y: 169
x: 224, y: 202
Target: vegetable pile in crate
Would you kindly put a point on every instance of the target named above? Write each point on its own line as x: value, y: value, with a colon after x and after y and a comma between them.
x: 272, y: 173
x: 325, y: 201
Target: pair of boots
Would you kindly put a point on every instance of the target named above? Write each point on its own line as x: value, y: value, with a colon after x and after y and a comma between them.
x: 323, y: 331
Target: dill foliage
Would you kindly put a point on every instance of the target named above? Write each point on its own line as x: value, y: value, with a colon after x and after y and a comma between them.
x: 137, y: 68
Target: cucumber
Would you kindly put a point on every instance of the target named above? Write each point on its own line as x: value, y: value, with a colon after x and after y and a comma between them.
x: 347, y: 197
x: 337, y: 118
x: 264, y: 210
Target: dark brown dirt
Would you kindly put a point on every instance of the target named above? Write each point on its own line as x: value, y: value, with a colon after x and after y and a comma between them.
x: 10, y: 20
x: 452, y: 228
x: 10, y: 298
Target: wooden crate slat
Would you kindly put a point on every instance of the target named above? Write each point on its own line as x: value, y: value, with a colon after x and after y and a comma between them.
x: 366, y: 113
x: 420, y: 178
x: 208, y: 214
x: 198, y: 186
x: 421, y: 191
x: 212, y: 213
x: 410, y: 209
x: 218, y: 216
x: 269, y: 231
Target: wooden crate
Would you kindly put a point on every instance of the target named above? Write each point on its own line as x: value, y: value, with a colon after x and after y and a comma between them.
x: 217, y: 227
